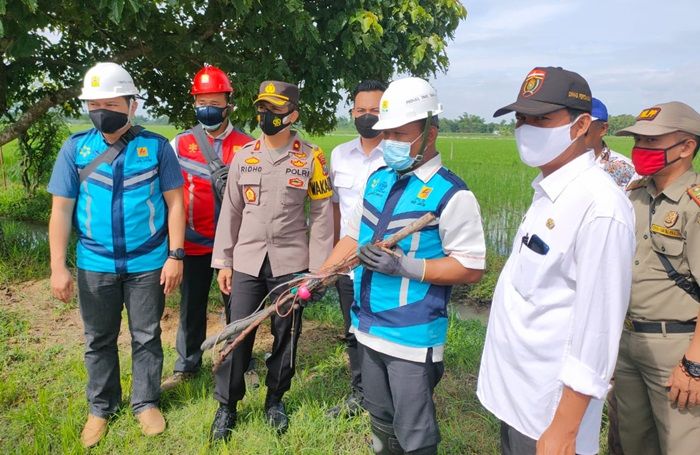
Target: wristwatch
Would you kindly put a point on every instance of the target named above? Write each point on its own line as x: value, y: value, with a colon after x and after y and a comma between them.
x: 692, y: 368
x: 178, y: 254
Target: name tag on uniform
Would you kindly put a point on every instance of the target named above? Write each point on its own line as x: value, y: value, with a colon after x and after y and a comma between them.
x: 675, y: 233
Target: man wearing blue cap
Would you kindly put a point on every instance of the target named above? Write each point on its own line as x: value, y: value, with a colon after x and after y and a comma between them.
x: 618, y: 166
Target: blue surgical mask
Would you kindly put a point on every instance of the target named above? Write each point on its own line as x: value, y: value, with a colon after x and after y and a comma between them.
x: 397, y: 154
x: 211, y: 117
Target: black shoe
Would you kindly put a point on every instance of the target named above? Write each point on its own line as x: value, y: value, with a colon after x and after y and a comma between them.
x: 224, y: 421
x: 277, y: 417
x: 352, y: 406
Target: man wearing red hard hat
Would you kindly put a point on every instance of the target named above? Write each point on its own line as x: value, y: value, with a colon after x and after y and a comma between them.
x: 205, y: 152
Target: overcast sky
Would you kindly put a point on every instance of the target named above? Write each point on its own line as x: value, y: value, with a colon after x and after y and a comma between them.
x: 632, y: 53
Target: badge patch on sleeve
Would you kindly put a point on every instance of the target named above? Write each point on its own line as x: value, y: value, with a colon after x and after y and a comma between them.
x: 694, y: 193
x: 320, y: 183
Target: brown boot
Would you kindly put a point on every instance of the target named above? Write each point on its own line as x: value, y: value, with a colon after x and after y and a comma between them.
x: 94, y: 430
x: 151, y: 421
x: 176, y: 379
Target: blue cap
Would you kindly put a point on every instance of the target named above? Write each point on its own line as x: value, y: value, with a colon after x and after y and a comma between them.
x: 598, y: 110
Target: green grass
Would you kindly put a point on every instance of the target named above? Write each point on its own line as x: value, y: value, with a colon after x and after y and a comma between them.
x: 45, y: 414
x: 42, y: 385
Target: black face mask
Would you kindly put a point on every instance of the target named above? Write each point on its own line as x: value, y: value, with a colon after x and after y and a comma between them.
x: 364, y: 124
x: 211, y: 117
x: 271, y: 123
x: 107, y: 121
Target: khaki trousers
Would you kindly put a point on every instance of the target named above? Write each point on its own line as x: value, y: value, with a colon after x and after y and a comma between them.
x: 648, y: 424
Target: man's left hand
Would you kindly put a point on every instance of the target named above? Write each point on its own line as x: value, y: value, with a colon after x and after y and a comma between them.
x: 684, y: 390
x: 556, y: 441
x: 378, y: 259
x: 171, y: 275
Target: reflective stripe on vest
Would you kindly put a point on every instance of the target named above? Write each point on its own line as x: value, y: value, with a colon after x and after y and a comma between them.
x: 120, y: 212
x: 395, y: 308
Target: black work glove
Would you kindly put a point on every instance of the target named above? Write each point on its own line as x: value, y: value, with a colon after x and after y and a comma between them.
x: 393, y: 263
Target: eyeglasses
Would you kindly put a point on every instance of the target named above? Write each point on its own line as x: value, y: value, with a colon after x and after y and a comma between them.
x: 535, y: 243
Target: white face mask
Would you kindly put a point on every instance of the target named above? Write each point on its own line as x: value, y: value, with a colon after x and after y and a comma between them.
x: 538, y: 146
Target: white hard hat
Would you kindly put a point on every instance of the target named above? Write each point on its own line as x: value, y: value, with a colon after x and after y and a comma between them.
x: 405, y: 101
x: 107, y: 80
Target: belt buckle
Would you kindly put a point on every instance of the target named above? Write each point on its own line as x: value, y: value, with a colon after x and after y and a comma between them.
x: 628, y: 325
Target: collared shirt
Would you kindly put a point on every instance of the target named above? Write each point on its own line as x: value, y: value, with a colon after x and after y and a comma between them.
x: 560, y: 302
x: 263, y: 210
x: 669, y: 224
x: 350, y: 168
x: 617, y: 166
x: 462, y: 238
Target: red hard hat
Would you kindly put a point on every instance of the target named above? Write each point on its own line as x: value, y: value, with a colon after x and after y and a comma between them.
x: 210, y: 79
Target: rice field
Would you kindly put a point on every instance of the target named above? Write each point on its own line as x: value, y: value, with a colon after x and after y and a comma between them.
x: 488, y: 164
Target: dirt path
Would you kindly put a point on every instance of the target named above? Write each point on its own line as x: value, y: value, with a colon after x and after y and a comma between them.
x: 53, y: 322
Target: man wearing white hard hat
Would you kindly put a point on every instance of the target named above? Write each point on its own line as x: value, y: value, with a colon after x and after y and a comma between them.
x: 399, y: 316
x: 121, y: 187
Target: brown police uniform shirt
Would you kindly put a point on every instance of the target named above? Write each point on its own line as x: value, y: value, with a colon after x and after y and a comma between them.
x: 671, y: 227
x: 263, y: 210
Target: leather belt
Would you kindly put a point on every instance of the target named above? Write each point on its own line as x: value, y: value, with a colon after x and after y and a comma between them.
x: 659, y: 327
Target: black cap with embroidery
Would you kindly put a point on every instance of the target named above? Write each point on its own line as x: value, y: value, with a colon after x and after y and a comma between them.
x: 548, y: 89
x: 278, y: 93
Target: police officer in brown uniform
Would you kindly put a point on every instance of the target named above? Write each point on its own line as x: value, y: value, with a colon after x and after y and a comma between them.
x: 657, y: 378
x: 263, y: 240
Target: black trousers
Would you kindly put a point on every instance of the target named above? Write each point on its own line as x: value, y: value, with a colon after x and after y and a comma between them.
x: 514, y: 442
x: 194, y: 293
x: 248, y: 291
x: 346, y: 294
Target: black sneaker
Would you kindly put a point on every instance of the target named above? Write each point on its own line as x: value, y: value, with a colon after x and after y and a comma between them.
x: 224, y: 422
x: 352, y: 406
x: 277, y: 417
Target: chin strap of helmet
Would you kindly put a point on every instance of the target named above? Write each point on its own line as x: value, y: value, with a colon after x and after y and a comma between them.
x: 423, y: 143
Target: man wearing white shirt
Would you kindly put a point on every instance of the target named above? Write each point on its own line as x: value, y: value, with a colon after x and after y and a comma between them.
x: 351, y: 164
x: 560, y: 302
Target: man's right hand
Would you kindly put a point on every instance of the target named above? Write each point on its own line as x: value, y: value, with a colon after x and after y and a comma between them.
x: 62, y: 284
x: 224, y: 279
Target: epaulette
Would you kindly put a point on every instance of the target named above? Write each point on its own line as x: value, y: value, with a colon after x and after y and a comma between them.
x: 635, y: 184
x: 248, y: 145
x: 694, y: 193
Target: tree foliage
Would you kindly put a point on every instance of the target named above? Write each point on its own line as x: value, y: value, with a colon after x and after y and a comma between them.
x: 323, y: 46
x: 38, y: 148
x: 618, y: 122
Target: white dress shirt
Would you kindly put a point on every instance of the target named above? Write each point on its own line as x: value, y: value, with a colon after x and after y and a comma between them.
x: 349, y: 170
x: 462, y: 237
x: 556, y: 318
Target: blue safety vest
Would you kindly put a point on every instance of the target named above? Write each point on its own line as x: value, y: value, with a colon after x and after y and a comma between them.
x: 120, y: 213
x: 394, y: 308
